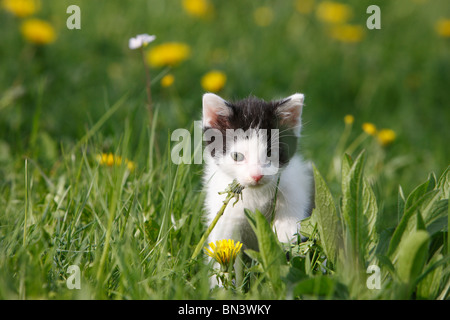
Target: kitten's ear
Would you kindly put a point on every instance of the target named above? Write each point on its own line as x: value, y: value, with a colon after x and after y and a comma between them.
x: 289, y: 111
x: 213, y: 107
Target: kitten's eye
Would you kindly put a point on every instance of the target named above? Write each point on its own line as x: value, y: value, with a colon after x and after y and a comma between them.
x: 237, y: 156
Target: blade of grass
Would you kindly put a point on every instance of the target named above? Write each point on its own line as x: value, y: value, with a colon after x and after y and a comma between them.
x: 26, y: 204
x: 98, y: 124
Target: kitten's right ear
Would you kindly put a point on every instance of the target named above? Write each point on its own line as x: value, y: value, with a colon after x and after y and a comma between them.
x: 213, y: 107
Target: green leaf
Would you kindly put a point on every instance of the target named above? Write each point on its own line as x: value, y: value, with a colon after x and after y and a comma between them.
x: 431, y: 278
x: 400, y: 202
x: 307, y: 227
x: 417, y: 194
x: 325, y: 215
x: 386, y: 263
x: 444, y: 183
x: 347, y: 162
x: 255, y: 255
x: 416, y: 199
x: 432, y: 208
x: 428, y: 206
x: 413, y: 251
x: 271, y: 256
x: 419, y: 222
x: 359, y: 209
x: 351, y: 191
x: 431, y: 181
x: 296, y: 271
x: 370, y: 212
x: 438, y: 219
x: 319, y: 286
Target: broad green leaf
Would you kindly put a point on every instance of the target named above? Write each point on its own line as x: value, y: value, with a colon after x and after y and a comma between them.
x: 386, y: 263
x: 352, y: 192
x: 319, y: 286
x: 271, y: 256
x: 426, y: 199
x: 296, y: 271
x: 416, y: 199
x: 413, y: 251
x: 370, y: 217
x: 325, y: 215
x: 359, y: 208
x: 420, y: 224
x: 429, y: 203
x: 307, y: 227
x: 431, y: 209
x: 268, y: 245
x: 255, y: 255
x: 417, y: 194
x: 431, y: 181
x: 428, y: 287
x: 444, y: 183
x: 438, y: 220
x: 347, y: 162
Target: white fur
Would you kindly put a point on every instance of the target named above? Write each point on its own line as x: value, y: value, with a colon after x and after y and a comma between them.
x: 293, y: 202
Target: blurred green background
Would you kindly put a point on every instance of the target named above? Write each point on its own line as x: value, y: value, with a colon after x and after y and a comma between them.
x: 396, y: 77
x: 132, y: 228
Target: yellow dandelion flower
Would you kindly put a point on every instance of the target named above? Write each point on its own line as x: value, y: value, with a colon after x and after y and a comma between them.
x: 100, y: 158
x: 443, y: 28
x: 224, y: 252
x: 108, y: 159
x: 304, y: 6
x: 168, y: 54
x: 347, y: 33
x: 263, y: 16
x: 21, y: 8
x: 369, y: 128
x: 130, y: 165
x: 213, y: 81
x: 167, y: 80
x: 333, y: 12
x: 198, y: 8
x: 349, y: 119
x: 386, y: 136
x: 38, y: 31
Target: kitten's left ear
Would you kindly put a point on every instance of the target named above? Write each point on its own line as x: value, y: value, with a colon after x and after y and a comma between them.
x: 289, y: 111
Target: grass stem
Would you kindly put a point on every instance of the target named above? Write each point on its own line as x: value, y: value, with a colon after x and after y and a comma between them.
x: 148, y: 89
x: 26, y: 204
x: 233, y: 190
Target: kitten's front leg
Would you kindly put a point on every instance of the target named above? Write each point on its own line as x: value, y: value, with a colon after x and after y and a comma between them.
x: 286, y: 223
x: 286, y: 229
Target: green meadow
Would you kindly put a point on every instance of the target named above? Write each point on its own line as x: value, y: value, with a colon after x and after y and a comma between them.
x: 87, y: 179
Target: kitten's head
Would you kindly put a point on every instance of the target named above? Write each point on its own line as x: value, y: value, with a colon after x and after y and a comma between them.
x: 251, y: 139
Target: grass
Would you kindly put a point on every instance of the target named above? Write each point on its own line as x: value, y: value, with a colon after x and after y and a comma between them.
x: 132, y: 233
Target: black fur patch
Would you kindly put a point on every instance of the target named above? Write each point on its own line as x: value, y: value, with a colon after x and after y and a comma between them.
x: 255, y: 113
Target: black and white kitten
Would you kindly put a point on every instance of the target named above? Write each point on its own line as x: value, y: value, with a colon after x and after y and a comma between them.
x: 259, y: 141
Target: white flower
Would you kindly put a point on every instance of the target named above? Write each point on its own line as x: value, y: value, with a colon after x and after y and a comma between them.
x: 140, y: 40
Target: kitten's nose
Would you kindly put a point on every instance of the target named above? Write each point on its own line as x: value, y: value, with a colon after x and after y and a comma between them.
x: 257, y: 177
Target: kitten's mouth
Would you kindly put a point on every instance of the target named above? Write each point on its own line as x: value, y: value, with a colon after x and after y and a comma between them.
x: 255, y: 184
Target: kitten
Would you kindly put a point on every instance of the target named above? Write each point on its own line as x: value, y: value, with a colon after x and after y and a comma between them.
x: 256, y: 158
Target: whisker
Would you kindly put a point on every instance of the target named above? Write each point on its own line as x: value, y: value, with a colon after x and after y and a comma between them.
x: 275, y: 186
